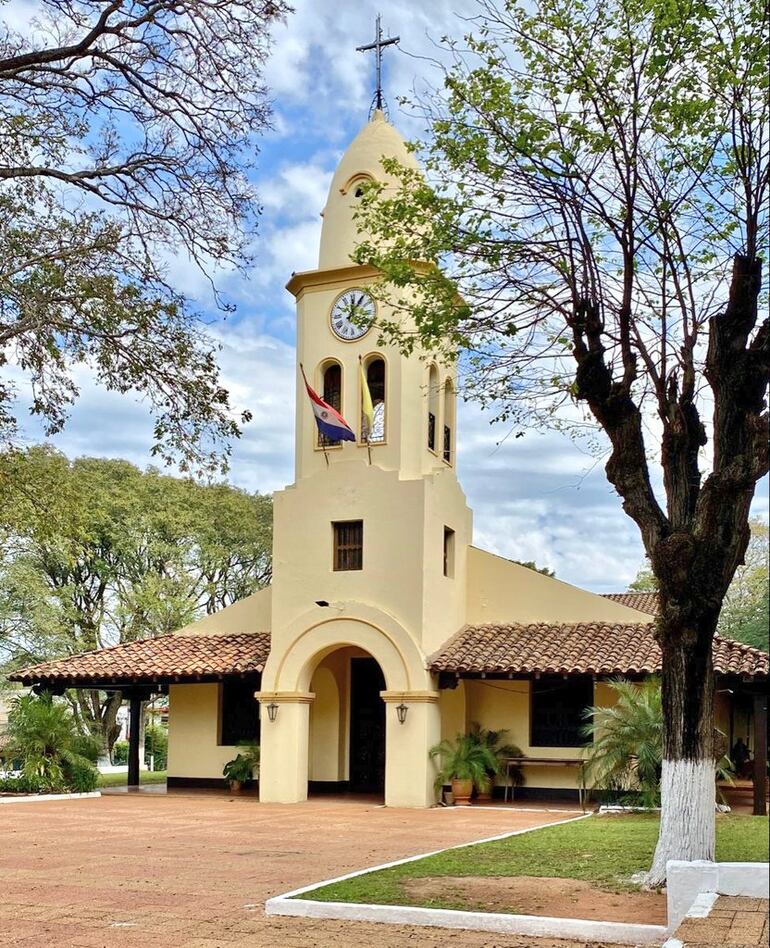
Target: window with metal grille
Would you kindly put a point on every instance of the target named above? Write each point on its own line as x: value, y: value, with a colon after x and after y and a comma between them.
x: 239, y: 711
x: 348, y: 544
x: 431, y: 431
x: 557, y: 708
x: 447, y: 444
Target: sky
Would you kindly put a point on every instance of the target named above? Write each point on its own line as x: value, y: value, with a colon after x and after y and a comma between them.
x: 541, y: 497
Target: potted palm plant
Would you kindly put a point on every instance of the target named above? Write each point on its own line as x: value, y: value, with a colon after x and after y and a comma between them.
x: 239, y: 772
x: 464, y: 763
x: 494, y: 740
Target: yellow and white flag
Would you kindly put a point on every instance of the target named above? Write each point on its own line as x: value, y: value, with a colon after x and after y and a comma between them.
x: 367, y: 409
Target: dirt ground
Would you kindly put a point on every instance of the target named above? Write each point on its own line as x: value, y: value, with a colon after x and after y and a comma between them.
x: 188, y: 870
x: 531, y: 895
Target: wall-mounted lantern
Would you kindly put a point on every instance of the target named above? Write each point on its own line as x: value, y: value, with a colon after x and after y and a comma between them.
x: 272, y: 711
x: 401, y: 710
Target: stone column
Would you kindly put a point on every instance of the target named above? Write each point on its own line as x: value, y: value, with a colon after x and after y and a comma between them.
x: 409, y: 772
x: 283, y: 765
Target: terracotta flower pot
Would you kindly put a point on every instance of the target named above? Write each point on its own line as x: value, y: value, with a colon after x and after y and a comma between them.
x: 236, y: 786
x: 461, y: 791
x: 483, y: 796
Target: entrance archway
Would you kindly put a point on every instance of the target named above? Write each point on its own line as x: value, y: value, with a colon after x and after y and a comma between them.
x: 347, y: 727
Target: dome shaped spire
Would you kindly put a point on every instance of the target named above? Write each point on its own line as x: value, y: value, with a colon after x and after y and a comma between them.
x: 361, y: 162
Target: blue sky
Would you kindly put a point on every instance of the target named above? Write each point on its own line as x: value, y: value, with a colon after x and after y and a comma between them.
x: 540, y: 497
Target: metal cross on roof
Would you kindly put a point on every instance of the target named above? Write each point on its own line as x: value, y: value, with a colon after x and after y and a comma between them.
x: 378, y: 45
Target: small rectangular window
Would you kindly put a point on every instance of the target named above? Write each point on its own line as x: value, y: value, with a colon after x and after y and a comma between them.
x: 239, y: 714
x: 557, y: 708
x: 348, y: 544
x: 447, y: 444
x: 449, y: 552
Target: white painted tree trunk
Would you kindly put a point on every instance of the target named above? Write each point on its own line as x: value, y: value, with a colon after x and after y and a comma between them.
x: 687, y: 822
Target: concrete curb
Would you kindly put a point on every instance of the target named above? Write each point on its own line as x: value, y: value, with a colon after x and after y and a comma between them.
x: 690, y: 885
x: 48, y: 797
x: 534, y: 925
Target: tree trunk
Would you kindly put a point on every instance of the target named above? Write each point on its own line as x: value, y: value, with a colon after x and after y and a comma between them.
x: 688, y: 779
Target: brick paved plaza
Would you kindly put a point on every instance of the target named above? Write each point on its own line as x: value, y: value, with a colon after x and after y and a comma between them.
x: 193, y: 870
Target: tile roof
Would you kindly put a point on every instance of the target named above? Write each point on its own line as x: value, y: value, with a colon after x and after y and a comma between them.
x: 597, y: 648
x: 166, y: 659
x: 641, y: 601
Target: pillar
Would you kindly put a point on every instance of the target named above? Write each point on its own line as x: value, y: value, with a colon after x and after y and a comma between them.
x: 134, y: 735
x: 760, y: 755
x: 409, y: 771
x: 283, y: 764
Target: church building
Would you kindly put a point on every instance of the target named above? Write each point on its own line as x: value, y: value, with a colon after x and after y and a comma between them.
x: 385, y: 629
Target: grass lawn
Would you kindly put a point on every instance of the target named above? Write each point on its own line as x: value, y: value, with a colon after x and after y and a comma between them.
x: 119, y: 780
x: 602, y: 850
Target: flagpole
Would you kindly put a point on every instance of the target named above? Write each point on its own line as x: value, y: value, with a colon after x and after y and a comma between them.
x: 320, y: 435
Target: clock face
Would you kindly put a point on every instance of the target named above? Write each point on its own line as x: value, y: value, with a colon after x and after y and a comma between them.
x: 352, y: 315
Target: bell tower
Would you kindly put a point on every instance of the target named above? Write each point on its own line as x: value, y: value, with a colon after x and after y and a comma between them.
x: 396, y: 483
x: 414, y: 430
x: 370, y: 541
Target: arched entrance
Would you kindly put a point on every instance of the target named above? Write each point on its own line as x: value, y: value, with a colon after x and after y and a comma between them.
x: 347, y: 729
x: 305, y: 708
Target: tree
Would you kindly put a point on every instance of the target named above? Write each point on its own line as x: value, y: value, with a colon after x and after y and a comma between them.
x: 97, y: 552
x: 745, y: 615
x: 128, y: 129
x: 590, y: 230
x: 645, y: 580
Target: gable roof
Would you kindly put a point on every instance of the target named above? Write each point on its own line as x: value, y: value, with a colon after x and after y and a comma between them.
x: 163, y: 660
x: 595, y: 648
x: 641, y: 601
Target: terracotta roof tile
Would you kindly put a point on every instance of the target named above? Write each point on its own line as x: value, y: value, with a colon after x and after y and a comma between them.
x: 167, y: 658
x: 641, y: 601
x: 583, y: 648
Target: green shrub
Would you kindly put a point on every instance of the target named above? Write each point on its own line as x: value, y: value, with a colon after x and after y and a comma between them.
x: 120, y: 753
x: 88, y: 746
x: 156, y: 746
x: 43, y: 735
x: 21, y: 785
x: 81, y: 776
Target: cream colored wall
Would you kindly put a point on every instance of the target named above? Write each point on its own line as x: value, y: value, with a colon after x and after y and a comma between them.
x: 252, y: 614
x: 193, y: 730
x: 505, y: 705
x: 402, y: 573
x: 502, y: 591
x: 329, y: 742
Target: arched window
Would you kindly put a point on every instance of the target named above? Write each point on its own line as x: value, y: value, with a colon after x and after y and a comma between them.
x: 448, y: 446
x: 331, y: 393
x: 375, y: 379
x: 433, y: 403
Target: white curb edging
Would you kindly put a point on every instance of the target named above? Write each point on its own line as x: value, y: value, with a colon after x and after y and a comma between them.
x: 535, y: 925
x: 48, y: 797
x: 690, y: 884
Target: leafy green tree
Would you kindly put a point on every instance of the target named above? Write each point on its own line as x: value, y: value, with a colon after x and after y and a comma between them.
x: 745, y: 615
x: 42, y: 733
x: 97, y: 552
x: 531, y: 564
x: 590, y: 233
x: 644, y: 581
x: 128, y: 130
